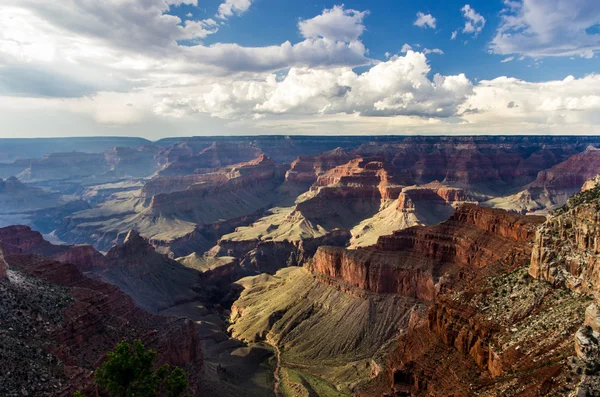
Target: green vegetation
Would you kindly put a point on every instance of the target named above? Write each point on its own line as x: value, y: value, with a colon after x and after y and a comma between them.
x: 128, y: 372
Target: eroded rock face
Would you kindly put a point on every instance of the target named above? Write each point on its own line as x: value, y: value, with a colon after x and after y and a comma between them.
x: 78, y: 321
x: 475, y: 162
x: 254, y: 179
x: 567, y: 246
x: 218, y: 155
x: 411, y: 262
x: 153, y: 280
x: 305, y: 170
x: 571, y: 174
x: 22, y: 239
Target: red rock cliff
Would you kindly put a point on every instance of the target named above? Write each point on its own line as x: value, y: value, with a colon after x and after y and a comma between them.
x: 411, y: 262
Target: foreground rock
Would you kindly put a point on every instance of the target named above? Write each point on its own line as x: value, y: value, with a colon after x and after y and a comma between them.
x: 57, y: 325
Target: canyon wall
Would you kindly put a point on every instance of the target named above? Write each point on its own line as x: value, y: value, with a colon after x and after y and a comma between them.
x: 411, y: 262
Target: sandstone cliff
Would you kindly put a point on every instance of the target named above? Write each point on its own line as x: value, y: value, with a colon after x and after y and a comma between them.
x: 567, y: 246
x: 412, y: 262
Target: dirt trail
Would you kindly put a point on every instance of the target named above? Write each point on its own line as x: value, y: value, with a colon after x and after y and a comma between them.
x: 277, y: 367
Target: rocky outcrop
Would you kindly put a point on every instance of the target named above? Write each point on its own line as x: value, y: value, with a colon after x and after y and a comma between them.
x: 59, y: 325
x: 567, y: 246
x: 153, y: 280
x: 432, y: 203
x: 590, y: 184
x: 570, y: 175
x: 305, y: 170
x: 218, y: 155
x: 412, y: 262
x: 433, y: 193
x: 24, y: 240
x: 491, y: 166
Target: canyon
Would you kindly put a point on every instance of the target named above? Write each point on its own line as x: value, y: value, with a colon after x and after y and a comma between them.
x: 368, y: 266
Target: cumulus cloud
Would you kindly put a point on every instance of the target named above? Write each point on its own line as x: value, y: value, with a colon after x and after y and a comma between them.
x: 562, y: 102
x: 130, y: 64
x: 399, y: 86
x: 474, y: 22
x: 76, y: 47
x: 453, y: 35
x: 336, y: 24
x: 425, y: 20
x: 539, y: 28
x: 233, y: 7
x: 507, y: 59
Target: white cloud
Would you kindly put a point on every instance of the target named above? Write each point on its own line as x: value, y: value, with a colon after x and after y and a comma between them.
x: 428, y: 51
x: 454, y: 34
x: 399, y: 86
x: 336, y: 24
x: 539, y: 28
x: 77, y: 65
x: 406, y: 48
x: 507, y: 59
x: 425, y: 20
x: 567, y: 102
x: 73, y: 48
x: 474, y: 22
x: 233, y: 7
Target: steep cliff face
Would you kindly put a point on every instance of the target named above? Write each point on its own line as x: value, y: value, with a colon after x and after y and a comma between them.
x: 553, y: 187
x: 62, y: 324
x: 570, y: 175
x: 128, y: 162
x: 186, y: 211
x: 305, y: 170
x: 412, y: 262
x: 217, y: 155
x: 491, y: 166
x: 497, y: 330
x: 567, y: 246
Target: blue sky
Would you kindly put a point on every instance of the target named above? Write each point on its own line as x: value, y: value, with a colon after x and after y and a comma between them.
x: 156, y: 68
x: 390, y: 24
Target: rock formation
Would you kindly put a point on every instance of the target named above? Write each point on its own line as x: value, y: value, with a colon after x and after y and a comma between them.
x: 411, y: 262
x: 57, y: 326
x: 218, y: 155
x: 567, y: 246
x: 305, y: 170
x: 15, y: 196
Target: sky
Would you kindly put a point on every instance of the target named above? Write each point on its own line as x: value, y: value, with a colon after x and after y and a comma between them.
x: 160, y: 68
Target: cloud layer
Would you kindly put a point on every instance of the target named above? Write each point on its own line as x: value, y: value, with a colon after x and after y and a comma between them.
x: 539, y: 28
x: 133, y: 63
